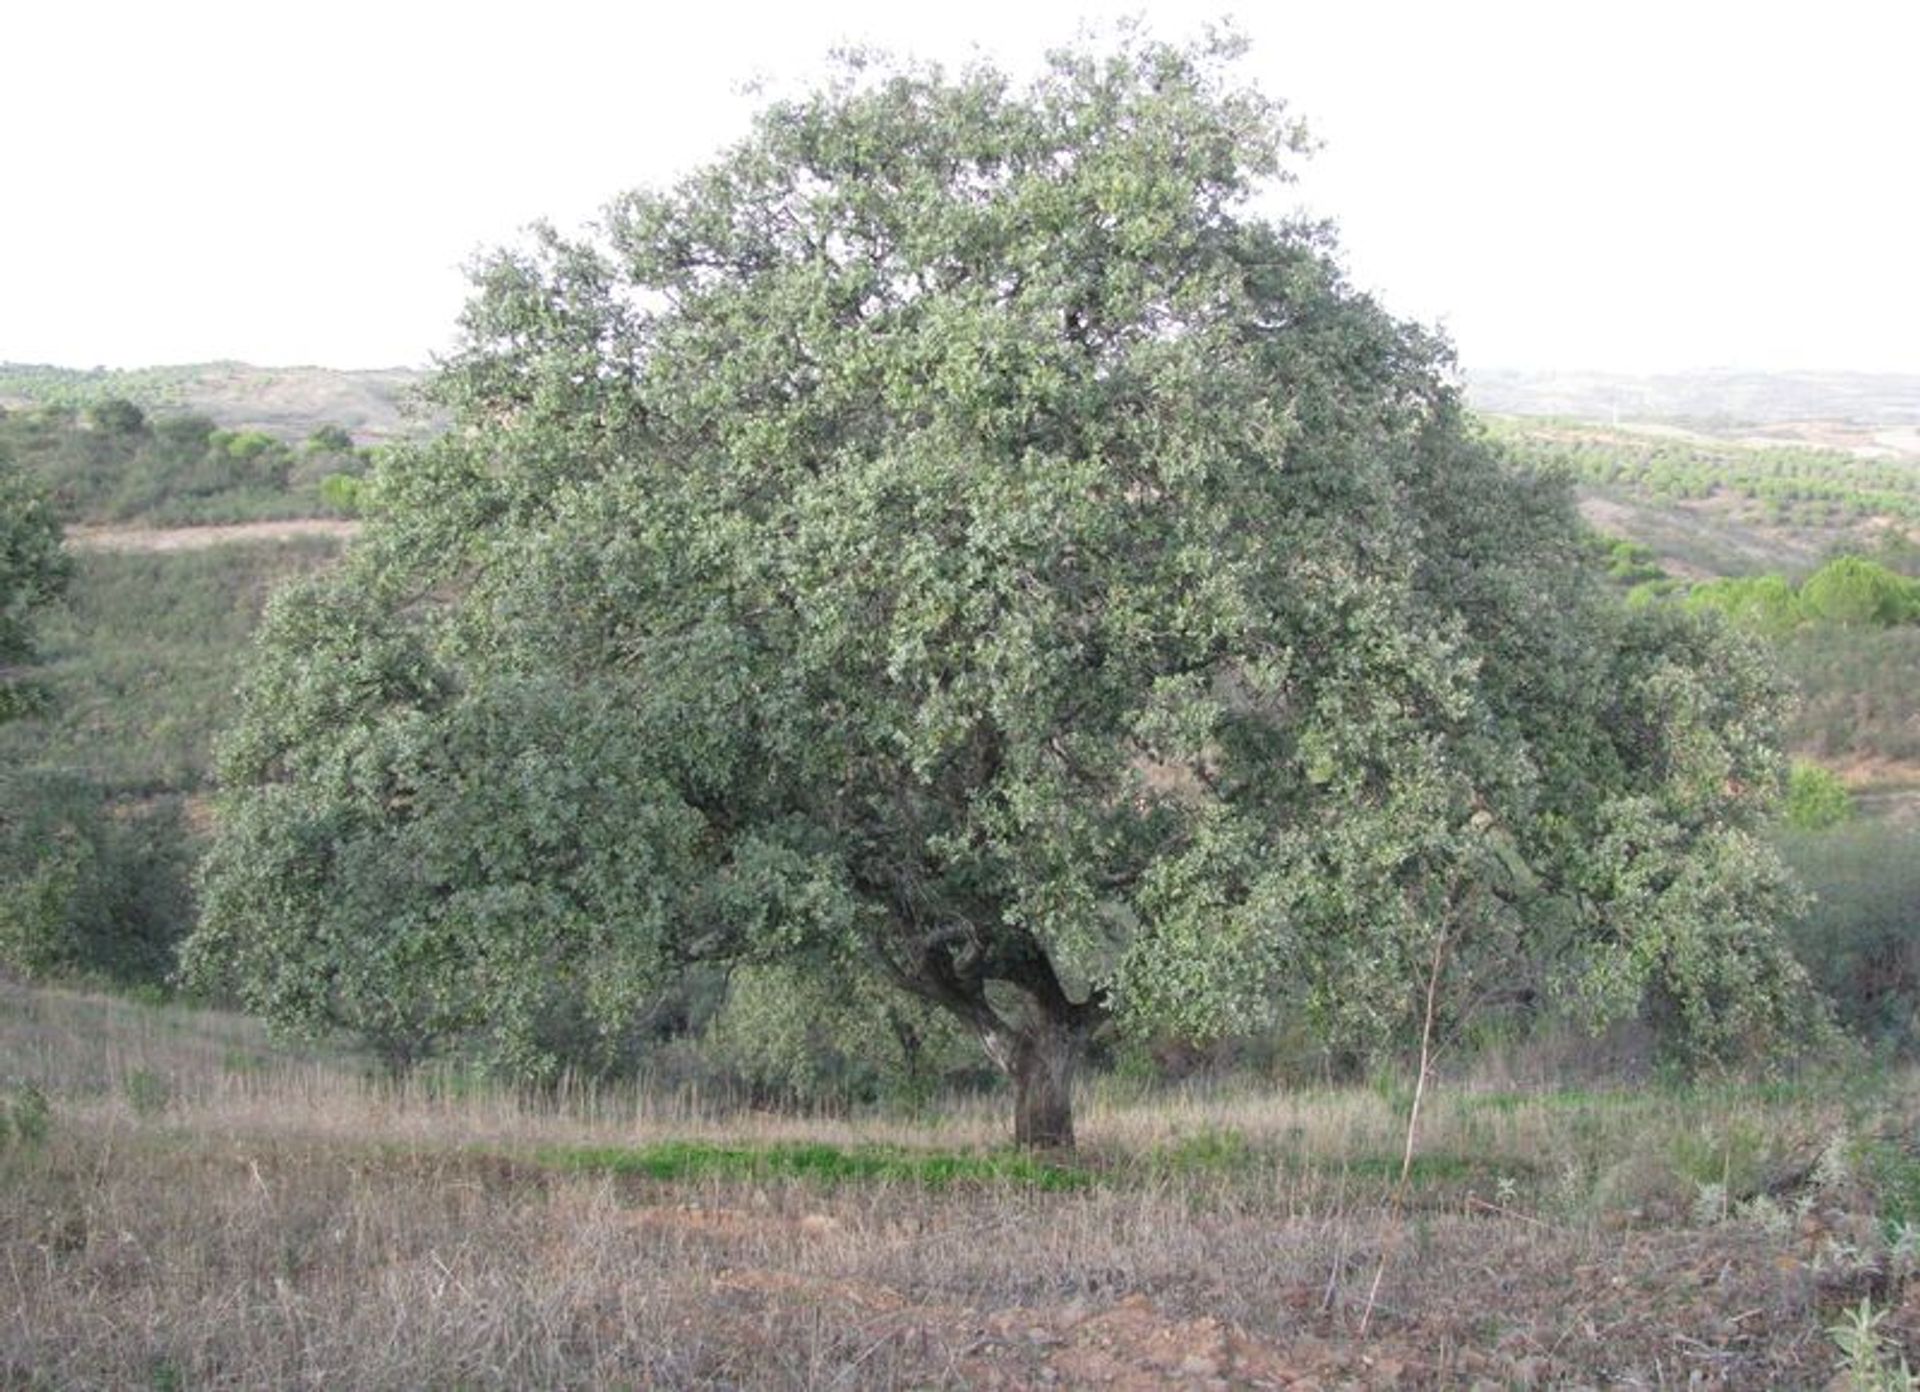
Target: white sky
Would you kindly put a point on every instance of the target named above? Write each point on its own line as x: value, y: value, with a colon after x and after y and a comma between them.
x: 1560, y: 184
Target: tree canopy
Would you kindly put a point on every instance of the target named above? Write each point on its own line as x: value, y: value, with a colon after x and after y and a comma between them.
x: 954, y: 537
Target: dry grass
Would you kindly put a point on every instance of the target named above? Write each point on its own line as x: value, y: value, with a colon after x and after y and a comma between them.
x: 207, y: 1211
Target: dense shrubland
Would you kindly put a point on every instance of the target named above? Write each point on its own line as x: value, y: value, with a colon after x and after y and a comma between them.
x: 111, y: 463
x: 131, y: 673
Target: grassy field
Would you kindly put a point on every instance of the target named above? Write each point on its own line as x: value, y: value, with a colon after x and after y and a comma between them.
x: 183, y: 1204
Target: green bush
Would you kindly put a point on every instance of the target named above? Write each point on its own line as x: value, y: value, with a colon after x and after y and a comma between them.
x: 1860, y: 593
x: 1860, y: 939
x: 790, y: 1035
x: 341, y: 493
x: 1764, y: 603
x: 86, y: 892
x: 1816, y: 798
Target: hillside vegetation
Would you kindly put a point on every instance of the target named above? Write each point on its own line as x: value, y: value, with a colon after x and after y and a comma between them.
x: 1815, y: 550
x: 289, y: 402
x: 110, y: 463
x: 135, y: 672
x: 1711, y: 507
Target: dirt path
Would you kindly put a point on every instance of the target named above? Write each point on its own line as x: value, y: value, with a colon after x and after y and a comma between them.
x: 198, y: 538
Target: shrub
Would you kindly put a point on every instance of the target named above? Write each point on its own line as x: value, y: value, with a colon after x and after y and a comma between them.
x: 1860, y: 940
x: 85, y: 892
x: 1763, y: 603
x: 1816, y: 798
x: 1861, y: 593
x: 791, y: 1035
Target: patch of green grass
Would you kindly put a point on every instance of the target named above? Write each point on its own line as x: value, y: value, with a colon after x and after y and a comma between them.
x: 684, y: 1160
x: 1565, y: 1099
x: 1733, y: 1153
x: 1208, y: 1151
x: 1892, y: 1171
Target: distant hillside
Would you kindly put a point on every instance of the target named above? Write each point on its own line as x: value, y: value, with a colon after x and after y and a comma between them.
x: 288, y: 402
x: 1712, y: 399
x: 1867, y: 412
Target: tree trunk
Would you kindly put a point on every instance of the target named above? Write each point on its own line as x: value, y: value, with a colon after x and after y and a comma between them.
x: 1043, y: 1060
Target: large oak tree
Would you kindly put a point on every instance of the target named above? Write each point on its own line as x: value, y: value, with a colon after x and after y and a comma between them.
x: 955, y: 536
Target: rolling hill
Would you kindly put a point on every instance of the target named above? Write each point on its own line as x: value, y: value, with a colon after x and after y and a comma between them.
x: 289, y: 402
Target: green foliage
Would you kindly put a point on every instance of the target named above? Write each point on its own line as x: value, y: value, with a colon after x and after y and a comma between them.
x: 84, y: 891
x: 1860, y: 934
x: 1629, y: 563
x: 115, y: 465
x: 952, y: 532
x: 117, y: 416
x: 682, y: 1160
x: 34, y: 569
x: 808, y: 1037
x: 1854, y: 591
x: 1869, y: 1360
x: 1816, y: 798
x: 1762, y: 603
x: 1847, y: 591
x: 342, y: 493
